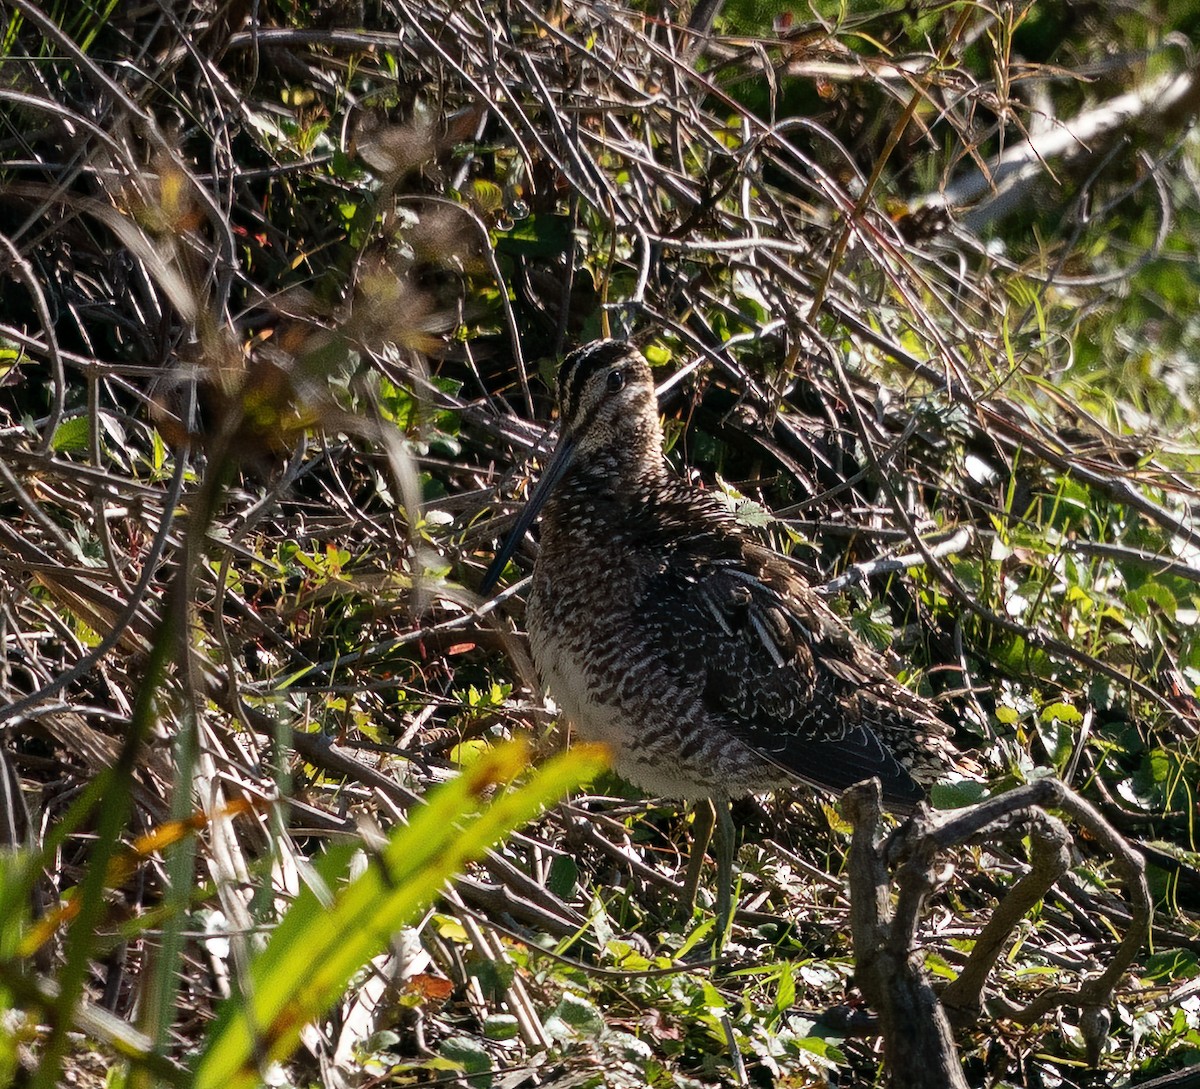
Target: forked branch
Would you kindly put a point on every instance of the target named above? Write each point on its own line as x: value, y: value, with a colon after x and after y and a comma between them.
x: 915, y: 1022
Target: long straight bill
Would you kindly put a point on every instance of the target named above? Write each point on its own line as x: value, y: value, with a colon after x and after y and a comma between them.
x: 559, y: 463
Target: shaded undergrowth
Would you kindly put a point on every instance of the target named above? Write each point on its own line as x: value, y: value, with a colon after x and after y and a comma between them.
x: 282, y: 297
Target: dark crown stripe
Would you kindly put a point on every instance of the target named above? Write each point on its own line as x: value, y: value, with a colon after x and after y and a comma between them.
x: 579, y: 366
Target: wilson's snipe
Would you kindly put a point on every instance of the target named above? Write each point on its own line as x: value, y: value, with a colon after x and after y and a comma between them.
x: 702, y: 659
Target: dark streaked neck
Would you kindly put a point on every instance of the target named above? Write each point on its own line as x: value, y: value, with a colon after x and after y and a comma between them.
x: 618, y: 469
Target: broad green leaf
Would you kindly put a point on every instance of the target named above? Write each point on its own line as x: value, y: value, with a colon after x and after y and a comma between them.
x: 71, y: 436
x: 937, y: 965
x: 957, y: 795
x: 470, y: 1056
x: 564, y: 873
x: 578, y: 1014
x: 536, y: 236
x: 501, y: 1026
x: 821, y: 1048
x: 1061, y: 712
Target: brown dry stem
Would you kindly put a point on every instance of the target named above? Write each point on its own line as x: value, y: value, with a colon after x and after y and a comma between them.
x: 916, y: 1024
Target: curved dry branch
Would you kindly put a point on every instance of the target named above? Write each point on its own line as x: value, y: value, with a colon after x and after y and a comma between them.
x: 919, y: 1050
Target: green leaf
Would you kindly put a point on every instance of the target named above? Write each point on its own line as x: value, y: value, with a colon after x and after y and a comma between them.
x: 335, y: 926
x: 937, y: 965
x: 956, y: 795
x: 501, y: 1026
x: 657, y: 355
x: 71, y: 436
x: 578, y: 1014
x: 1061, y: 712
x: 564, y: 874
x: 158, y: 448
x: 1149, y: 596
x: 785, y: 994
x: 823, y: 1049
x: 495, y: 976
x: 536, y: 236
x: 751, y: 513
x: 466, y: 753
x: 469, y: 1055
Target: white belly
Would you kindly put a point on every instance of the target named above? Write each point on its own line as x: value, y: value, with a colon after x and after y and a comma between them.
x: 654, y: 769
x: 564, y: 676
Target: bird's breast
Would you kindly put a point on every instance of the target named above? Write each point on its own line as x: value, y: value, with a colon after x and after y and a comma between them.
x: 617, y: 685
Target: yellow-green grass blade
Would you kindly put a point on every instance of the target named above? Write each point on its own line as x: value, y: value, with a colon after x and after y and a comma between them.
x: 335, y: 927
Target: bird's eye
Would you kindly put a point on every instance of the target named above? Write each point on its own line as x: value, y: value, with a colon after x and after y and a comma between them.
x: 616, y: 381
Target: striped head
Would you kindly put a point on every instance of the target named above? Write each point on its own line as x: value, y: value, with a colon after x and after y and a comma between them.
x: 608, y: 422
x: 607, y: 404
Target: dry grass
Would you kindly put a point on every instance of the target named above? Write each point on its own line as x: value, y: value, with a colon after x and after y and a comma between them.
x: 280, y: 302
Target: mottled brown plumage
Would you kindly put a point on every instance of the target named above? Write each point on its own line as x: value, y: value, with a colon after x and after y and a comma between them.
x: 661, y: 627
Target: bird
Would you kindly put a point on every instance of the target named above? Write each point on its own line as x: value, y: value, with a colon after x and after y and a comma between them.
x: 662, y: 627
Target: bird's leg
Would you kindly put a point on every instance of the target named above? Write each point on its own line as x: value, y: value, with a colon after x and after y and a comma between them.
x: 724, y: 844
x: 702, y: 830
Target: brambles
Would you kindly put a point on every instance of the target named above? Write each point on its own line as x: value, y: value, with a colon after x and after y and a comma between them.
x: 280, y: 300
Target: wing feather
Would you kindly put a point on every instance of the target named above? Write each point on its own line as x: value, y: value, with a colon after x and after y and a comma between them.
x: 780, y: 671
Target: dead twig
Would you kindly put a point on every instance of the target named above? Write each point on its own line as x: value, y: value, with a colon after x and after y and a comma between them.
x: 916, y: 1025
